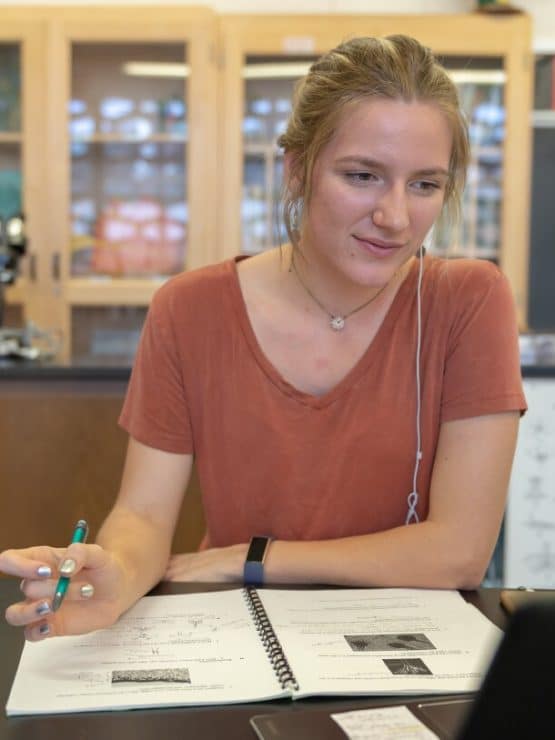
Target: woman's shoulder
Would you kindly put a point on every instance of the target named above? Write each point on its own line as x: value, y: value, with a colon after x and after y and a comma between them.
x: 461, y: 269
x: 462, y: 276
x: 200, y: 287
x: 461, y: 291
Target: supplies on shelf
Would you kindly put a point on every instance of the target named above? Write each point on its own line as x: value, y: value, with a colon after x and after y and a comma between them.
x: 138, y: 238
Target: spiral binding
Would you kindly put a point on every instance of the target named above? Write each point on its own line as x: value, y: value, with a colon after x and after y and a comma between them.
x: 271, y: 644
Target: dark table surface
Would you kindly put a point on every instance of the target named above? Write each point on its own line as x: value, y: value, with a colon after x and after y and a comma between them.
x: 33, y: 370
x: 228, y: 721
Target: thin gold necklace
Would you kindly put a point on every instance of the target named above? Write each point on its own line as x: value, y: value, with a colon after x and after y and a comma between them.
x: 337, y: 321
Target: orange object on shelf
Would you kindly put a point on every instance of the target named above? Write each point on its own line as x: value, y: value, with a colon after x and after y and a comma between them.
x: 137, y: 238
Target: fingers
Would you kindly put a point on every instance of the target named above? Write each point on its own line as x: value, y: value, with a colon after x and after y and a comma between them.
x: 40, y: 606
x: 93, y: 575
x: 78, y: 556
x: 44, y: 561
x: 23, y: 613
x: 77, y: 590
x: 214, y: 564
x: 179, y: 566
x: 77, y: 562
x: 50, y: 626
x: 37, y: 616
x: 32, y: 562
x: 39, y: 631
x: 73, y: 620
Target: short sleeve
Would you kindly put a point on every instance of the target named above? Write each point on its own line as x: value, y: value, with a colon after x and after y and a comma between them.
x: 482, y: 367
x: 155, y: 410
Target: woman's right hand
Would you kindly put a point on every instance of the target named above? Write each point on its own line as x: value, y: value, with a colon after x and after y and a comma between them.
x: 90, y: 603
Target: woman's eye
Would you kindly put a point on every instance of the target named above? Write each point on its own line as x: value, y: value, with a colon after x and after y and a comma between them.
x: 426, y: 186
x: 359, y: 177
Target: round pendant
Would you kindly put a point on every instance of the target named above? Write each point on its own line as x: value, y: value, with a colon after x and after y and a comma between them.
x: 337, y: 323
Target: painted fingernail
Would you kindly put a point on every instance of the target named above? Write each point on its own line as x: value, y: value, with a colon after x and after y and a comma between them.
x: 22, y: 586
x: 43, y: 608
x: 67, y: 567
x: 87, y: 590
x: 44, y: 571
x: 44, y: 629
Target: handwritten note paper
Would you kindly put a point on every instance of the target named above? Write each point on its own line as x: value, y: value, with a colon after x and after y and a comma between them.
x: 383, y: 724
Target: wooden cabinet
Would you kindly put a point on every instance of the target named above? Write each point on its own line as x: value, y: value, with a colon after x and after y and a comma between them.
x: 128, y: 132
x: 146, y: 145
x: 491, y: 62
x: 62, y: 456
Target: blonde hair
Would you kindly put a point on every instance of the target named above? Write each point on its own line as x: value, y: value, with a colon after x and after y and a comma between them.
x: 396, y: 67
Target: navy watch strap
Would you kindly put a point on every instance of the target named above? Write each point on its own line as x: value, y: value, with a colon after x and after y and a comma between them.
x: 253, y: 571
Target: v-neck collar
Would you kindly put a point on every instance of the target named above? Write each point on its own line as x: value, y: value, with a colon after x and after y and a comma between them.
x: 353, y: 375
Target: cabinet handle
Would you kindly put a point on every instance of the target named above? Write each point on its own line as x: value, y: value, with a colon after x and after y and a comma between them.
x: 33, y: 268
x: 56, y: 266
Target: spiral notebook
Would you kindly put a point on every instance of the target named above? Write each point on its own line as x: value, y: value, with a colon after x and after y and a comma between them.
x: 250, y: 645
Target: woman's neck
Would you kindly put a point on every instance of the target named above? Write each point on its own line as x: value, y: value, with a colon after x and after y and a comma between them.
x: 323, y: 283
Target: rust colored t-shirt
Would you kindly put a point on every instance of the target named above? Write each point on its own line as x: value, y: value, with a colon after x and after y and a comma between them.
x: 276, y: 461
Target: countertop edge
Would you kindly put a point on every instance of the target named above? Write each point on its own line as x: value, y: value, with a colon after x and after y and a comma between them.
x: 23, y: 371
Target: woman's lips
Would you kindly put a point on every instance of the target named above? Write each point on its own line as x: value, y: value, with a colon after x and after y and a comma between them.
x: 376, y: 247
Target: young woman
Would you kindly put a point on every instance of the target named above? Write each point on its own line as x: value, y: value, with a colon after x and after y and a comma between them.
x: 347, y: 396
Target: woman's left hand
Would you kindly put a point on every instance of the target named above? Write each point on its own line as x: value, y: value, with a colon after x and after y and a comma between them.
x: 219, y: 564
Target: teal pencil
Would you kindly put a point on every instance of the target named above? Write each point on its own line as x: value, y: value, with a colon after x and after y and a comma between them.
x: 79, y: 535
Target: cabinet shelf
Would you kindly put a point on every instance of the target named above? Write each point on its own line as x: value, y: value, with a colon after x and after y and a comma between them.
x: 543, y: 118
x: 294, y: 70
x: 265, y: 149
x: 270, y: 149
x: 7, y: 137
x: 486, y: 151
x: 118, y: 139
x: 101, y: 291
x: 470, y: 251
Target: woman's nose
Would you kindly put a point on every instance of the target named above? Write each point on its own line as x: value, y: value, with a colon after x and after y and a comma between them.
x: 391, y: 212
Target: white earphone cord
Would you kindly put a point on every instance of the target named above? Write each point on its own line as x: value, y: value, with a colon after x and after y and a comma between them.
x: 412, y: 499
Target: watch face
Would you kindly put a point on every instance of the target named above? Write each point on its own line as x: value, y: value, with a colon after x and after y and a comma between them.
x: 257, y: 549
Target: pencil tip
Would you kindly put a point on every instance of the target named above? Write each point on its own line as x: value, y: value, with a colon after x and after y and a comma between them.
x: 56, y: 601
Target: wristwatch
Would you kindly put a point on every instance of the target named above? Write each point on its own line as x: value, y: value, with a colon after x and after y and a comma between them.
x: 253, y: 571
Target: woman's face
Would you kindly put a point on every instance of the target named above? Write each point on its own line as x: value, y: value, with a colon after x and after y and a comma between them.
x: 378, y: 186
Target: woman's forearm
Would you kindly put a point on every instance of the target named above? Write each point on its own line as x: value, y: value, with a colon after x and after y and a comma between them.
x: 141, y: 547
x: 424, y: 555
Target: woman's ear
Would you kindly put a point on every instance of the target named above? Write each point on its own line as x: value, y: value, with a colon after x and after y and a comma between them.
x: 291, y: 177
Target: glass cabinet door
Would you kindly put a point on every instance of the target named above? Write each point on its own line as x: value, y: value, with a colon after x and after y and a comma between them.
x: 126, y: 90
x: 128, y: 133
x: 11, y: 142
x: 105, y: 335
x: 269, y: 84
x: 482, y: 95
x: 23, y: 266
